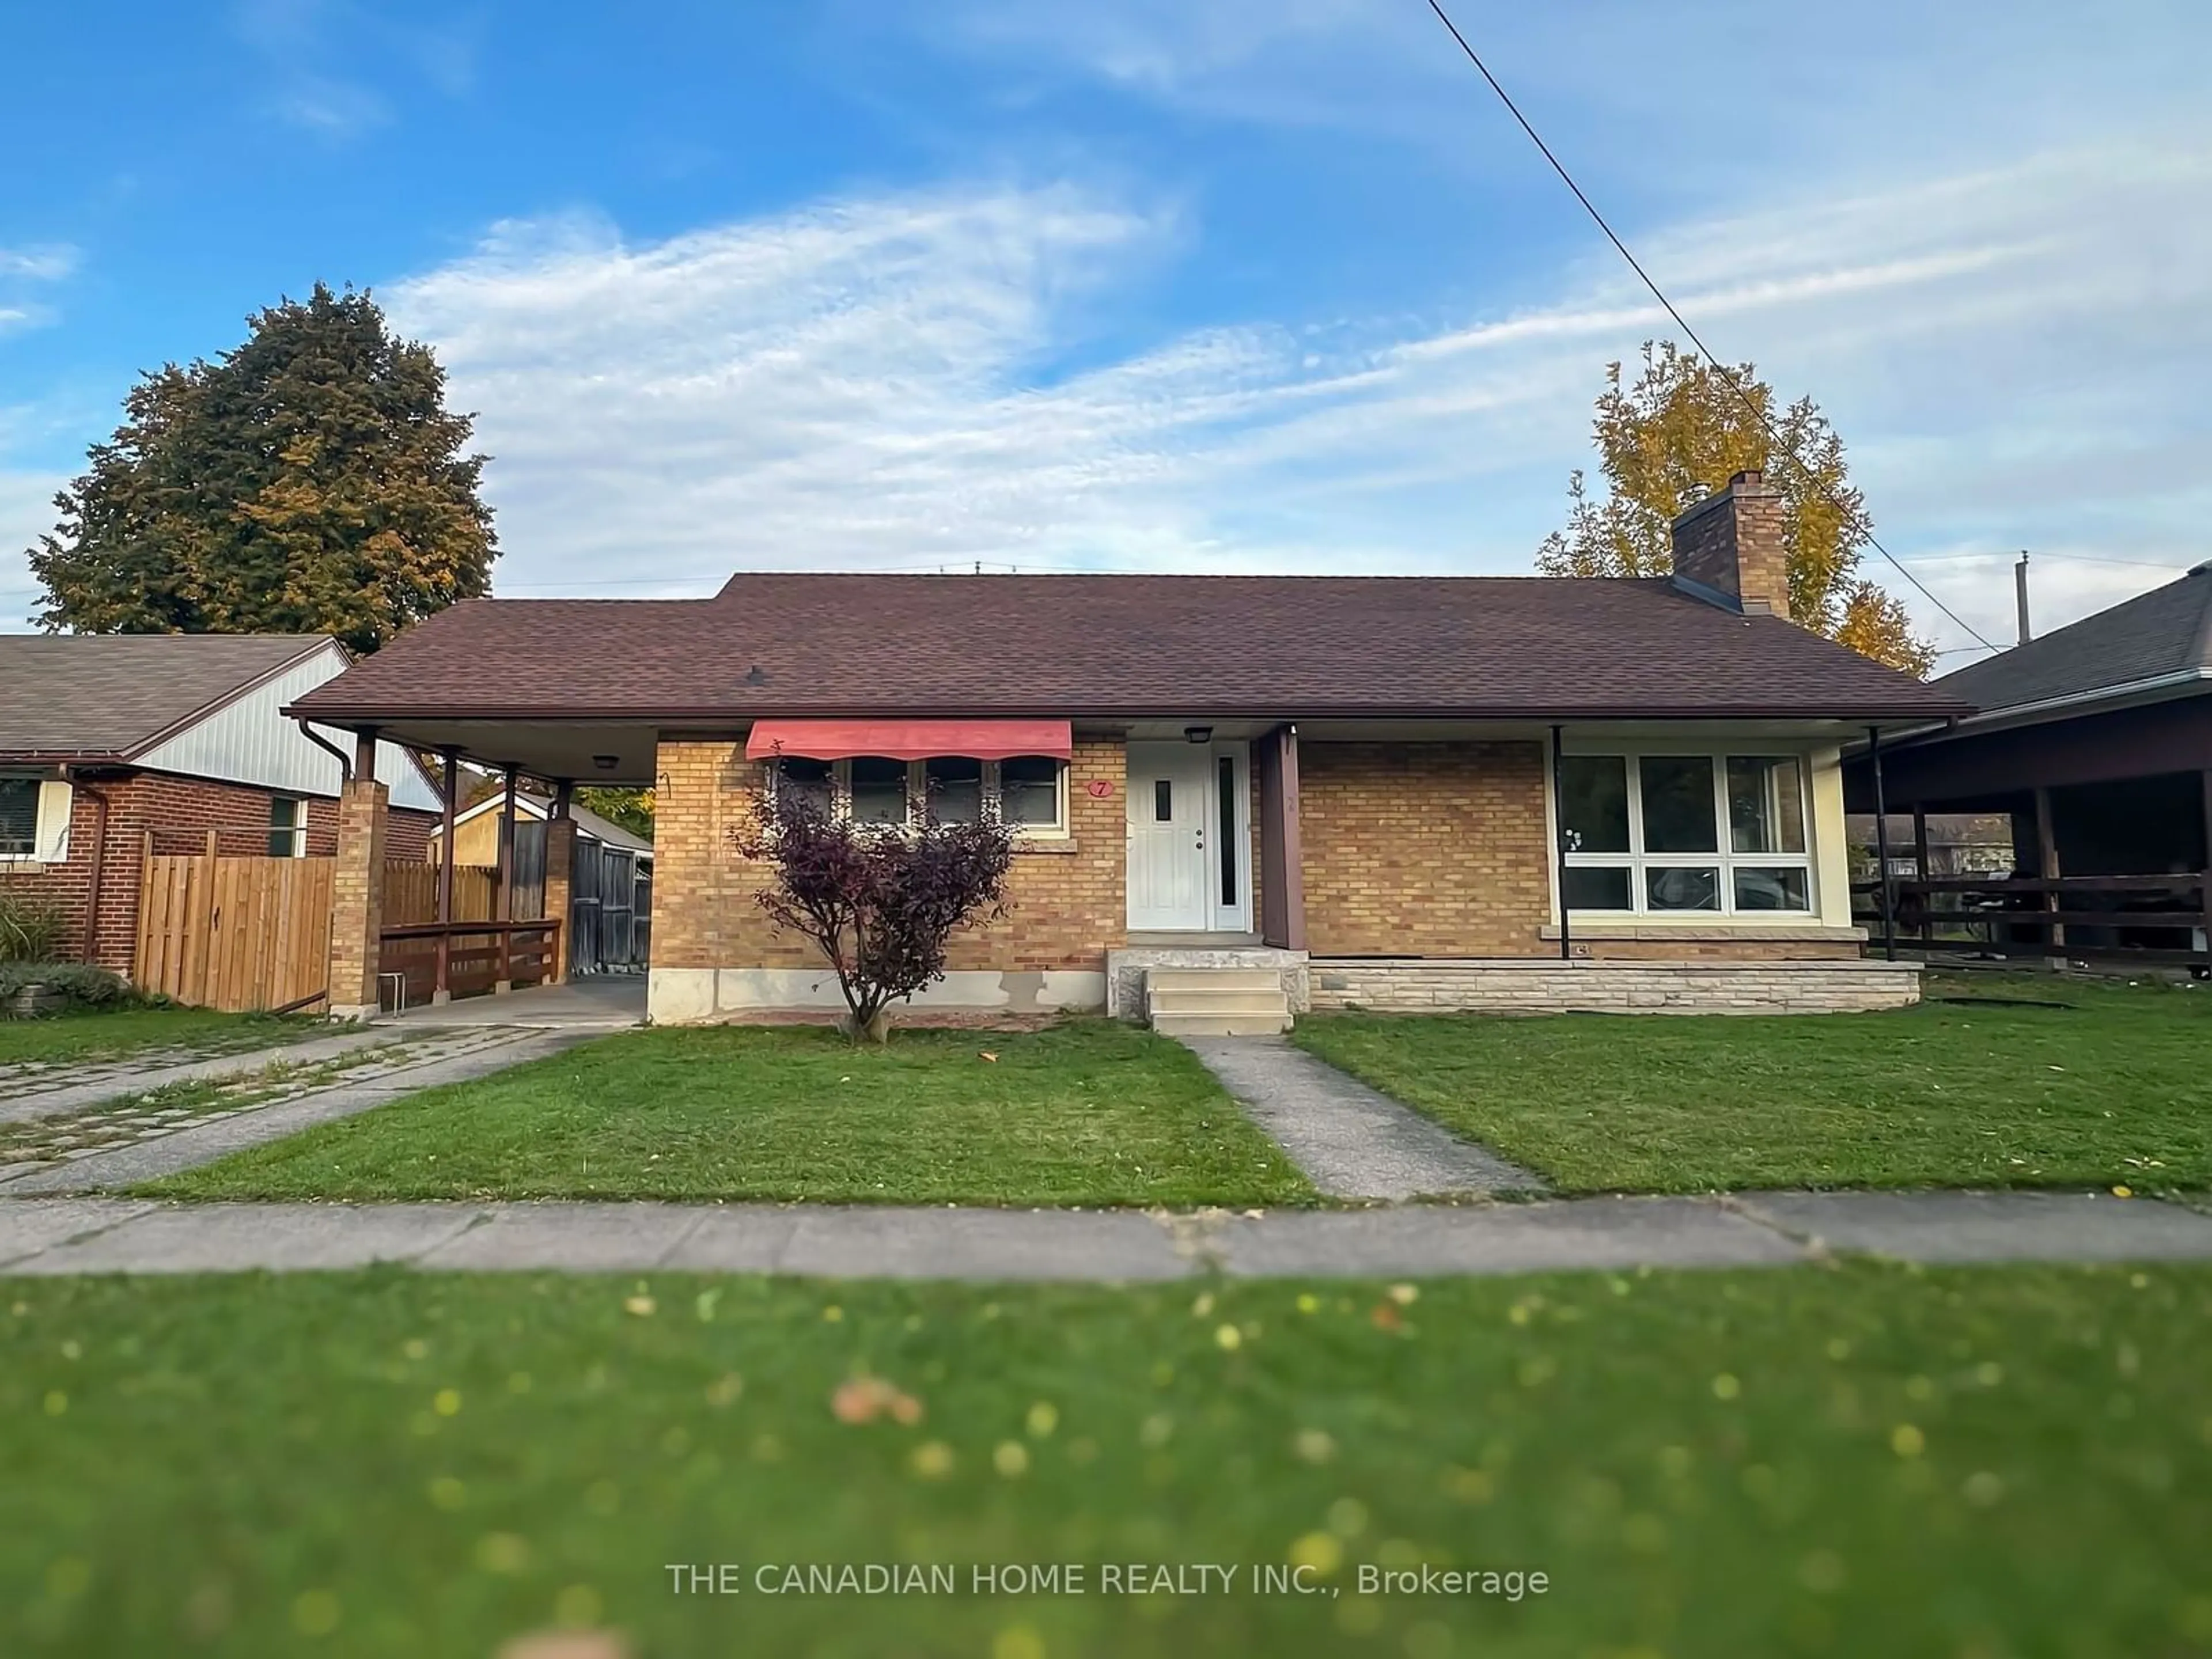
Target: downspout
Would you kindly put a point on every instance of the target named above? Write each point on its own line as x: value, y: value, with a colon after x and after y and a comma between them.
x: 344, y: 761
x: 99, y: 859
x: 1560, y: 847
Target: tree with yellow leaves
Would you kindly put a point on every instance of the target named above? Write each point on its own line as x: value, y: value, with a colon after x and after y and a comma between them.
x: 1678, y: 433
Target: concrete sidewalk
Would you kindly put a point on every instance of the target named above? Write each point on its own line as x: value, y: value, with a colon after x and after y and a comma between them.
x: 57, y: 1236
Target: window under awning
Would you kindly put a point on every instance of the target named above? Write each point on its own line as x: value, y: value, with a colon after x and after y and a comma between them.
x: 909, y: 739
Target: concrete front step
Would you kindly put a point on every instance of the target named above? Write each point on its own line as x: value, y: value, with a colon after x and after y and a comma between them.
x: 1220, y: 1025
x: 1217, y: 1001
x: 1177, y: 980
x: 1220, y: 1000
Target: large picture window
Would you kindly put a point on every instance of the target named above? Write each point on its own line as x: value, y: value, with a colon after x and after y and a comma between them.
x: 1029, y: 792
x: 1671, y: 833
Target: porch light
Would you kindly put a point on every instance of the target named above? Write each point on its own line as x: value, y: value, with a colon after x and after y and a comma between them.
x: 1198, y: 734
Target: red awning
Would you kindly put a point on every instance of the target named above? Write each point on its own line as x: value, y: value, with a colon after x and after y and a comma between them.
x: 909, y: 739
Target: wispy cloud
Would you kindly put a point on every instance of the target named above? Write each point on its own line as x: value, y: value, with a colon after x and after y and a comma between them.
x: 873, y: 383
x: 45, y: 263
x: 326, y: 62
x: 26, y: 273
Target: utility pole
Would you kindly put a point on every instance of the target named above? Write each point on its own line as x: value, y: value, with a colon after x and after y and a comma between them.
x: 2020, y: 596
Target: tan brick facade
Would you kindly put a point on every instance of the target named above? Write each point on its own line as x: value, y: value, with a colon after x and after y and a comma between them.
x: 1066, y: 896
x: 1425, y: 849
x: 1412, y: 850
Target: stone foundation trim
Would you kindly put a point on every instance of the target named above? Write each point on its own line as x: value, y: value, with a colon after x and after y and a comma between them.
x: 1413, y: 985
x: 1709, y: 932
x: 1125, y: 970
x: 693, y: 996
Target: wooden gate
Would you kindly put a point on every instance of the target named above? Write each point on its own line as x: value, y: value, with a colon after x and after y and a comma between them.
x: 234, y: 934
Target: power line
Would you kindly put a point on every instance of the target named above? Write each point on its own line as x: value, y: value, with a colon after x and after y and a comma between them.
x: 1682, y: 323
x: 2064, y: 558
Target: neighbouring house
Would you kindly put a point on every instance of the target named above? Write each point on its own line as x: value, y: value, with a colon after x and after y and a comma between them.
x: 2094, y: 742
x: 1236, y: 796
x: 110, y: 742
x: 611, y: 894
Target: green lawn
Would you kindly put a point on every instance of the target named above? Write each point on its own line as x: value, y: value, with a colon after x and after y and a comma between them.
x: 1087, y: 1112
x: 2114, y: 1087
x: 94, y: 1035
x: 1861, y: 1461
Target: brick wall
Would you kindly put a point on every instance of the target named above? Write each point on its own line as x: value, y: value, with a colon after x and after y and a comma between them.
x: 178, y: 813
x: 1622, y: 987
x: 1423, y: 849
x: 1067, y: 904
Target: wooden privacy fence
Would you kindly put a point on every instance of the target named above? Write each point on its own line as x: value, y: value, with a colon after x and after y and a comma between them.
x: 410, y: 892
x: 234, y: 932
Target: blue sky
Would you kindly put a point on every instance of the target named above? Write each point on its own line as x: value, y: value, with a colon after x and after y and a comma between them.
x: 1145, y: 284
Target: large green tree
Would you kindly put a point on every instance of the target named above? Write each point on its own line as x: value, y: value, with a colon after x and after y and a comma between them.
x: 1678, y: 433
x: 311, y: 481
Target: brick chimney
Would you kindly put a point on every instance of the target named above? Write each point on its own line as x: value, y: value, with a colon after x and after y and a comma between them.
x: 1729, y: 548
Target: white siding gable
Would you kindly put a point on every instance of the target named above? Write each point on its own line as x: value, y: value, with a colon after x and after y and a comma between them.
x: 251, y: 741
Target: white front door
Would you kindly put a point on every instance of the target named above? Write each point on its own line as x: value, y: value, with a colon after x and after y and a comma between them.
x: 1178, y: 813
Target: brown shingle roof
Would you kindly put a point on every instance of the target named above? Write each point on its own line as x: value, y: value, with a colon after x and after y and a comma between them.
x: 110, y: 694
x: 1122, y: 647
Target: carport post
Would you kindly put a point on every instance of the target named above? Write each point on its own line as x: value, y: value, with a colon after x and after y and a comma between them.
x: 559, y: 875
x: 503, y: 904
x: 1560, y: 849
x: 357, y: 890
x: 1881, y: 848
x: 442, y: 986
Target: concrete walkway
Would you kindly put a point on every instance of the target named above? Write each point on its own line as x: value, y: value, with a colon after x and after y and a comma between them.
x: 389, y: 1073
x: 47, y: 1236
x: 1350, y: 1141
x: 113, y: 1079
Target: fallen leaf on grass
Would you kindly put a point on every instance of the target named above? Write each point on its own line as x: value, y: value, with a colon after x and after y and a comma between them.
x: 864, y: 1399
x: 988, y: 1054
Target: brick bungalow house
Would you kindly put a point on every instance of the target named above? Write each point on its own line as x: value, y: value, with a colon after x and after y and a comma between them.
x: 1343, y: 790
x: 106, y: 738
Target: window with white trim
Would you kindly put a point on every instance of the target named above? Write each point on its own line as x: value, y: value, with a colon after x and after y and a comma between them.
x: 1027, y: 791
x: 34, y: 818
x: 19, y: 817
x: 287, y: 827
x: 1679, y: 834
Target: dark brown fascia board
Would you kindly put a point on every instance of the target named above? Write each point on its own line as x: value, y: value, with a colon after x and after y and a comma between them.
x: 216, y: 704
x: 1932, y: 709
x: 62, y: 757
